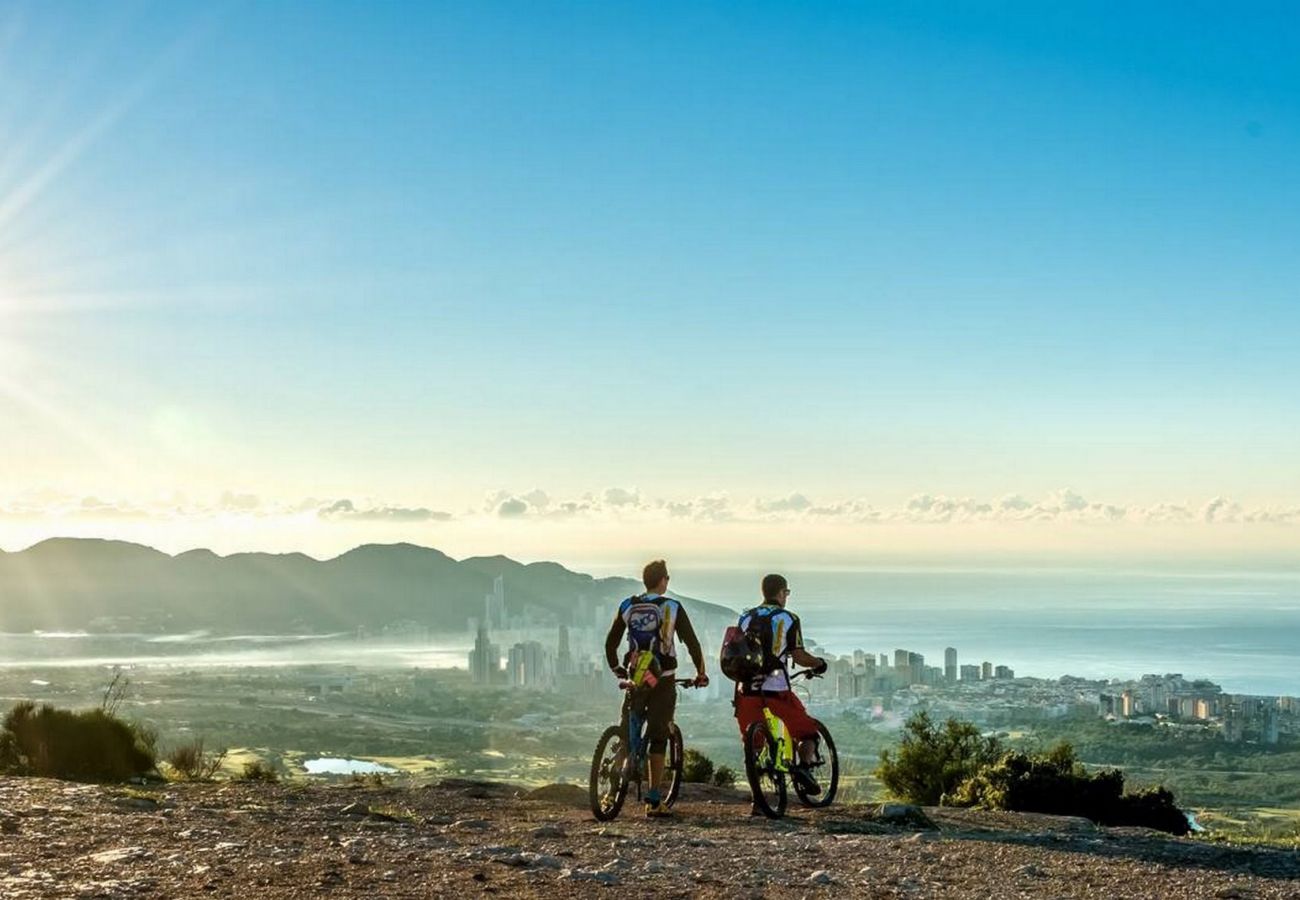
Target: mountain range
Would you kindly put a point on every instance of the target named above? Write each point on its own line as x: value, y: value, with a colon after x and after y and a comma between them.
x: 89, y: 584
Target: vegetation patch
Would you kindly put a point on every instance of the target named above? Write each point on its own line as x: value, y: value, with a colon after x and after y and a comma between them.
x: 87, y: 745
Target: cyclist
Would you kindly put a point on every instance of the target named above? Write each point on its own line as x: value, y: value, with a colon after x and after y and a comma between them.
x: 782, y: 636
x: 651, y: 622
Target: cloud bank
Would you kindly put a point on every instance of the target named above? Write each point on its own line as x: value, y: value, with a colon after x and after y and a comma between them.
x: 632, y: 505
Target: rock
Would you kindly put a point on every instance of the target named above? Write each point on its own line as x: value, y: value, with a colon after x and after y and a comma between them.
x: 141, y: 803
x: 606, y: 878
x: 121, y: 854
x: 8, y: 825
x: 821, y: 876
x: 904, y: 815
x: 560, y: 794
x: 549, y: 830
x: 354, y: 809
x: 471, y: 825
x: 1032, y: 870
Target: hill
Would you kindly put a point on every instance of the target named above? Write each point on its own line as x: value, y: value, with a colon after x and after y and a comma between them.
x: 469, y: 839
x: 69, y: 584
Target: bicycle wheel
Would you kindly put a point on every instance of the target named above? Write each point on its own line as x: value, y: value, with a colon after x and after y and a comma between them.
x: 826, y: 770
x: 607, y: 787
x: 765, y: 781
x: 674, y: 763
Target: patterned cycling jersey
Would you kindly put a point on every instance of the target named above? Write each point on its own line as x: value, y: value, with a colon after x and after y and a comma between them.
x: 785, y: 634
x: 652, y: 623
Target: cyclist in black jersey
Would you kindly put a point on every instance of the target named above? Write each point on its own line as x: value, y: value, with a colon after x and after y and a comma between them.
x: 651, y: 623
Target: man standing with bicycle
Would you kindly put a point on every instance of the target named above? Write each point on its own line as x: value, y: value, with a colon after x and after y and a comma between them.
x: 782, y: 637
x: 651, y: 622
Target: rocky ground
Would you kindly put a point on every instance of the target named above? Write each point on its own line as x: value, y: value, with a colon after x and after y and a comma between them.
x: 243, y: 840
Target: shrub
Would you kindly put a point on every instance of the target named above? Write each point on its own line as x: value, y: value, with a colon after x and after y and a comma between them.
x: 724, y: 776
x: 92, y: 745
x: 192, y: 763
x: 257, y: 770
x: 1058, y: 784
x: 933, y: 760
x: 697, y: 768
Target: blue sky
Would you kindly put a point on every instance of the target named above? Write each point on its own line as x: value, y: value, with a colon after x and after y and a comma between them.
x: 429, y: 254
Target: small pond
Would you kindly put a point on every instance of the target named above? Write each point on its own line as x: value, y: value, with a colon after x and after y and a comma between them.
x: 334, y: 765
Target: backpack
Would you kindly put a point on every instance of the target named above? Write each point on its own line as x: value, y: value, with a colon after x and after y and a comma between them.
x: 746, y: 653
x: 645, y: 619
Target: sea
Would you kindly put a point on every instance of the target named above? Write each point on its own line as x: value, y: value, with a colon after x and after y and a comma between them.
x: 1240, y: 629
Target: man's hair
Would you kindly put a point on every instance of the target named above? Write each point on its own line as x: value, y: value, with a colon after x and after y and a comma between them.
x: 773, y: 585
x: 654, y: 572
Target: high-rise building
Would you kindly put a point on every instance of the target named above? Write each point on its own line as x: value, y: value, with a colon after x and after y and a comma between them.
x: 901, y: 664
x: 529, y: 665
x: 1004, y: 672
x: 915, y: 668
x: 563, y: 654
x: 485, y: 658
x: 986, y: 671
x: 970, y: 673
x: 950, y: 664
x: 495, y: 603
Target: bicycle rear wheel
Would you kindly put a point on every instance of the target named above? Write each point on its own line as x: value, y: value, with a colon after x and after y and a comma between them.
x: 673, y: 764
x: 766, y: 782
x: 826, y: 770
x: 607, y: 786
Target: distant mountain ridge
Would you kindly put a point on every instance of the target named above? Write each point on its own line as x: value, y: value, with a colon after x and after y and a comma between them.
x: 78, y: 583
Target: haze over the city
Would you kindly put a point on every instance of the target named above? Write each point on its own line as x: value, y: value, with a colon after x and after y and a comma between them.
x: 819, y: 284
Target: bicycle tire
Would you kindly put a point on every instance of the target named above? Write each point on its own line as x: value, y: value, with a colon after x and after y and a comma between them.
x: 761, y: 772
x: 832, y: 762
x: 674, y: 764
x: 606, y: 802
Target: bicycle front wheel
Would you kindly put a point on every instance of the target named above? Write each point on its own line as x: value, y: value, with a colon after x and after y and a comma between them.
x: 766, y: 782
x: 607, y: 786
x: 826, y: 769
x: 674, y: 764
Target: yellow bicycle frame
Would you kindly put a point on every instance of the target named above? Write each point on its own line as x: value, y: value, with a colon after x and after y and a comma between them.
x: 784, y: 752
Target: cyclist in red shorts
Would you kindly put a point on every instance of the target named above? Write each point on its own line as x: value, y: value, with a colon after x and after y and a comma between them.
x: 782, y: 637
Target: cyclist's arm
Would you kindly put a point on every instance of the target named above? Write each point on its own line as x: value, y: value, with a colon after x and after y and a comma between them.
x: 797, y: 651
x: 616, y: 630
x: 687, y: 631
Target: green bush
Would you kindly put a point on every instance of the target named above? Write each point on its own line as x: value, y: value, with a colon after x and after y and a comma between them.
x: 1058, y: 784
x: 933, y: 760
x: 91, y: 745
x: 697, y: 768
x: 724, y: 776
x: 257, y: 770
x: 191, y: 762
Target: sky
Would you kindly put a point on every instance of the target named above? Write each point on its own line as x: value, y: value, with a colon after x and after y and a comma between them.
x: 818, y: 283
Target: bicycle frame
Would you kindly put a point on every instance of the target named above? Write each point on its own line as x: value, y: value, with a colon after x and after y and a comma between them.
x: 784, y: 755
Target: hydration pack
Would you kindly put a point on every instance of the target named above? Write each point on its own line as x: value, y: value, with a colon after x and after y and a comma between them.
x: 746, y: 652
x: 645, y: 620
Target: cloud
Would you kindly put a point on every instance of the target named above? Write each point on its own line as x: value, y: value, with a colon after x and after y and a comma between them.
x: 620, y: 497
x: 793, y: 503
x: 346, y: 510
x: 512, y: 508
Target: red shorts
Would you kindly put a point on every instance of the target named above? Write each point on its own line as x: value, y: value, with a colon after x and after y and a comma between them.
x: 786, y: 706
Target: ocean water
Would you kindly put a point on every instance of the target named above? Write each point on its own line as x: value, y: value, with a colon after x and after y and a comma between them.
x: 1239, y: 629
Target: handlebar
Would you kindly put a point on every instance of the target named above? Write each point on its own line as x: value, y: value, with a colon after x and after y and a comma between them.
x: 807, y: 673
x: 626, y: 685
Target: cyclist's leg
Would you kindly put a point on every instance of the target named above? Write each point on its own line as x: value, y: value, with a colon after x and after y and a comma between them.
x: 659, y: 716
x: 802, y: 727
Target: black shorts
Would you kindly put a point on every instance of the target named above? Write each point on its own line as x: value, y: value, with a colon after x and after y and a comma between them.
x: 656, y: 705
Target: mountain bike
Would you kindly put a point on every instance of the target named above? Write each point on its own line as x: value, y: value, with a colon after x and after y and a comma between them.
x: 622, y: 759
x: 770, y: 753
